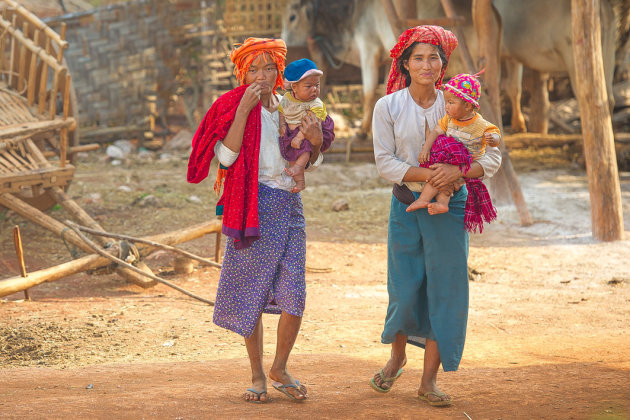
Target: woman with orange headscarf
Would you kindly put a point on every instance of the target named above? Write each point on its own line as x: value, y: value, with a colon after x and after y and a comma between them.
x: 427, y: 276
x: 264, y: 263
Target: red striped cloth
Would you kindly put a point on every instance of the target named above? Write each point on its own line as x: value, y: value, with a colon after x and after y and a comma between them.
x: 479, y: 207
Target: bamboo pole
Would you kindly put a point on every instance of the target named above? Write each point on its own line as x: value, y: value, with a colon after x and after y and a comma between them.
x: 599, y: 148
x: 22, y: 61
x: 43, y: 82
x: 35, y: 21
x: 32, y: 74
x: 17, y: 240
x: 53, y: 94
x: 35, y: 127
x: 63, y: 135
x: 27, y: 43
x: 14, y: 51
x: 17, y: 284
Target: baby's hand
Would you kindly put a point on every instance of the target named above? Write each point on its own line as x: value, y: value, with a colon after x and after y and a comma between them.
x: 492, y: 139
x: 424, y: 156
x: 283, y: 125
x: 296, y: 143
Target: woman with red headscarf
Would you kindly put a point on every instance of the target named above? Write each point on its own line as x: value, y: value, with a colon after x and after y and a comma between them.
x: 264, y: 263
x: 427, y: 275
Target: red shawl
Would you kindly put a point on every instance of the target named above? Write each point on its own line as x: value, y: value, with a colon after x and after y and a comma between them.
x: 239, y: 202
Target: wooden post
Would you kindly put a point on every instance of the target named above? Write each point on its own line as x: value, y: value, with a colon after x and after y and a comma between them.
x: 63, y: 135
x: 449, y: 10
x: 599, y: 148
x: 17, y: 240
x: 488, y: 32
x: 406, y: 9
x: 217, y: 247
x: 392, y: 17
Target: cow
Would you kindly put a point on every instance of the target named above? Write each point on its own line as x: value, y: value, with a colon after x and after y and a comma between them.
x: 536, y: 33
x: 353, y: 32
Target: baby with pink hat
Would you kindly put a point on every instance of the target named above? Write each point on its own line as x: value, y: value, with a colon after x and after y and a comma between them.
x: 460, y: 137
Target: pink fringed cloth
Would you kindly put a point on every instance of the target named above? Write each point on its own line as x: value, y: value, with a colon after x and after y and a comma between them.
x: 479, y: 207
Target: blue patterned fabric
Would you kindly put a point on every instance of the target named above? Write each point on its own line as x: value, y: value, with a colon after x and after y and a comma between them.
x: 269, y: 276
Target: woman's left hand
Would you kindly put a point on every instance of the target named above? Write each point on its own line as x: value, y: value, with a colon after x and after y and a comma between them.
x: 443, y: 174
x: 312, y: 129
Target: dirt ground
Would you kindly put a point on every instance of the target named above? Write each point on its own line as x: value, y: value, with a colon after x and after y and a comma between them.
x: 547, y: 334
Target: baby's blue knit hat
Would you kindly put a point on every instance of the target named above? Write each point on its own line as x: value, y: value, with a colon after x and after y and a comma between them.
x: 299, y: 69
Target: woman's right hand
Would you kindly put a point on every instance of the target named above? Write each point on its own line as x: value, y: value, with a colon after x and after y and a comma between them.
x: 443, y: 174
x: 251, y: 97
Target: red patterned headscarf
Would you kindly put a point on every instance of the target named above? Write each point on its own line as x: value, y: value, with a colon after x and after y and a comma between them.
x: 243, y: 55
x: 426, y: 34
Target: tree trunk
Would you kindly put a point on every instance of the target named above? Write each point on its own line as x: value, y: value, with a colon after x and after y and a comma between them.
x: 488, y: 31
x: 599, y: 148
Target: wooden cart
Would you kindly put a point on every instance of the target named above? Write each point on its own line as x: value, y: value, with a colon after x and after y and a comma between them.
x: 35, y: 108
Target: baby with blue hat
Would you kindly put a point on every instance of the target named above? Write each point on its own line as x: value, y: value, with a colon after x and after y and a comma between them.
x: 302, y: 82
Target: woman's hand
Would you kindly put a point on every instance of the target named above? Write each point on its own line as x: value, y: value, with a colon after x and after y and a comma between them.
x: 312, y: 129
x: 443, y: 174
x: 251, y: 97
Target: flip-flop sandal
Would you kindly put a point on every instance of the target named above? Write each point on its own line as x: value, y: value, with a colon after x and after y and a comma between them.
x: 385, y: 380
x: 283, y: 388
x: 258, y: 393
x: 438, y: 403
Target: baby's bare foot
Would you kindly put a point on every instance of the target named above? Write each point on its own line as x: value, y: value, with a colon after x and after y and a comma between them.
x: 437, y: 208
x: 417, y: 205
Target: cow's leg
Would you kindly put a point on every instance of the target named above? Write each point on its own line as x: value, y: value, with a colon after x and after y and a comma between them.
x: 539, y: 103
x: 370, y: 60
x: 513, y: 82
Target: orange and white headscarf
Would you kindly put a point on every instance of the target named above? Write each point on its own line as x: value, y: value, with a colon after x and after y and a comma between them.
x: 243, y: 55
x: 427, y: 34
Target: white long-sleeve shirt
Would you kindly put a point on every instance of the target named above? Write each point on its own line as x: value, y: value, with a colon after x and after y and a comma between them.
x: 399, y: 127
x: 271, y: 165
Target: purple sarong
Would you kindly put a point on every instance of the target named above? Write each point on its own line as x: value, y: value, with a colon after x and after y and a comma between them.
x: 290, y: 154
x: 269, y: 276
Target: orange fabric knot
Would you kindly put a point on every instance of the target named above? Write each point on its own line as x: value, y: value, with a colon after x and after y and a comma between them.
x: 244, y: 54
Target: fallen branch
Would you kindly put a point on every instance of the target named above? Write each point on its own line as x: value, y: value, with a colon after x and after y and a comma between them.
x: 147, y: 242
x: 17, y: 284
x: 95, y: 248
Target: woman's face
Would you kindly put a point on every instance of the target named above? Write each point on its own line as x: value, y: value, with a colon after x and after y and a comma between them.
x: 424, y: 64
x: 264, y: 72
